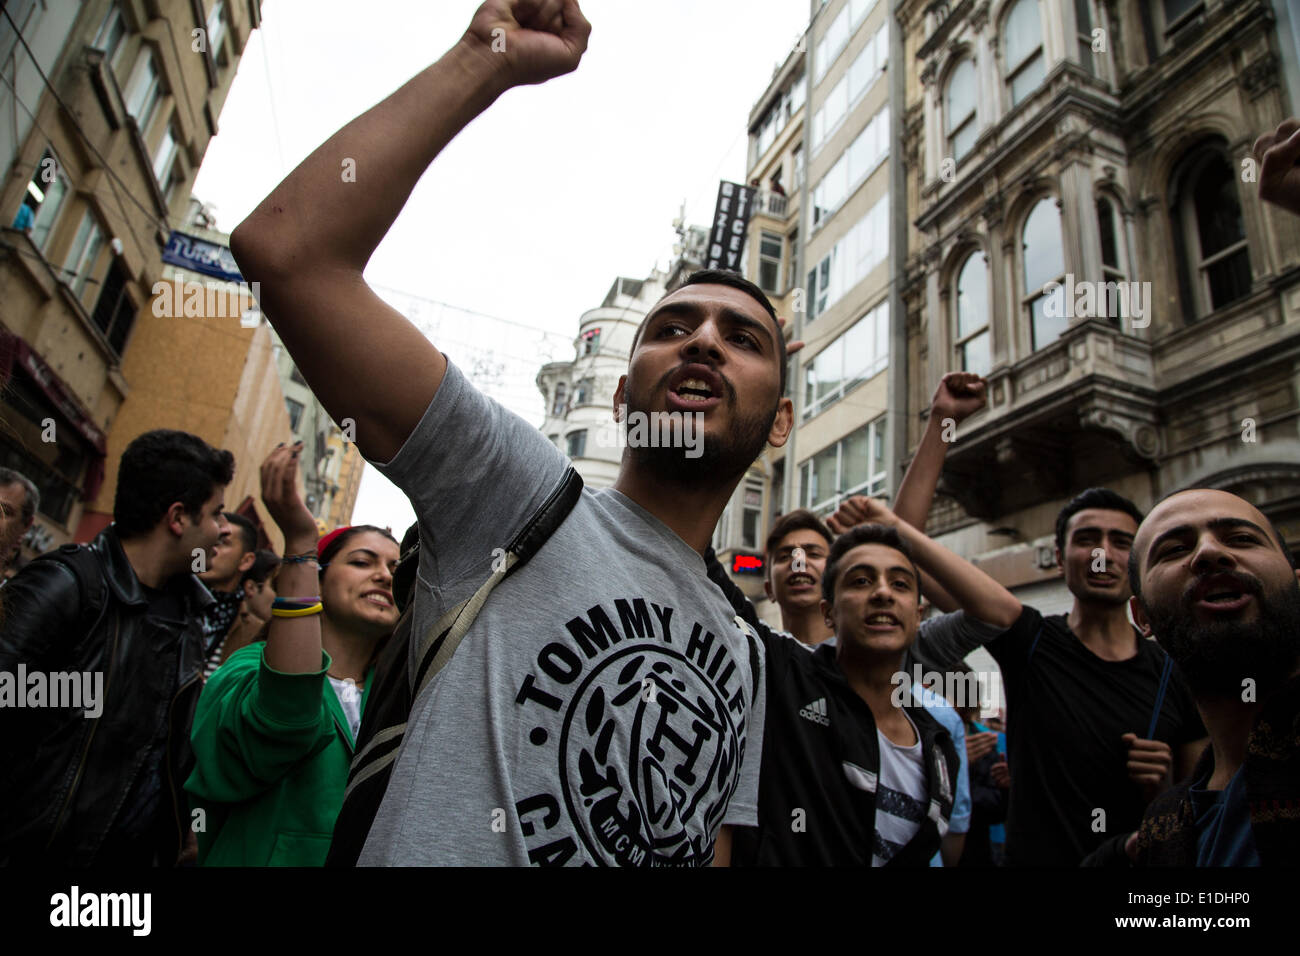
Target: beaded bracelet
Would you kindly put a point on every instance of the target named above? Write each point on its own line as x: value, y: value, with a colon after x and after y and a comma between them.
x: 301, y: 559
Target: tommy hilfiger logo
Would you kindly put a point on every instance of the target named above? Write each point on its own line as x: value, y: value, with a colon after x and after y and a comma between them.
x: 816, y: 712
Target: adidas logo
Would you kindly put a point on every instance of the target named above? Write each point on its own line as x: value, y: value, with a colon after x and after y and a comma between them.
x: 816, y: 712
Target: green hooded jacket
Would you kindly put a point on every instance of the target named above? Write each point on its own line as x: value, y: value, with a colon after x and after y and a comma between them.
x: 272, y: 755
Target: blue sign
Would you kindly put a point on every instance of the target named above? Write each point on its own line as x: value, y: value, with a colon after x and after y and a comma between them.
x: 200, y: 255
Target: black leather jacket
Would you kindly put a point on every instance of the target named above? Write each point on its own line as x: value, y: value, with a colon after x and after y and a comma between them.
x: 66, y: 775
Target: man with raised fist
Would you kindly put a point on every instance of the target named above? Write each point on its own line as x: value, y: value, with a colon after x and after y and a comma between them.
x: 1100, y: 722
x: 606, y: 704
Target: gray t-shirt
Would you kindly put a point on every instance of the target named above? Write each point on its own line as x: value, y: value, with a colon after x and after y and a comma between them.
x: 605, y: 707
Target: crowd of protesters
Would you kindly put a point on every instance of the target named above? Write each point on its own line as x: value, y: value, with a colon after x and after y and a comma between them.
x: 596, y: 689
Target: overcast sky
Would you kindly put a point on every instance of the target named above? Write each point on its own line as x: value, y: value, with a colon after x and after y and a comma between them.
x: 526, y: 218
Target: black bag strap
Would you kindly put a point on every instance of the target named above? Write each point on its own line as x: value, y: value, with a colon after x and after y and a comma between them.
x: 440, y: 641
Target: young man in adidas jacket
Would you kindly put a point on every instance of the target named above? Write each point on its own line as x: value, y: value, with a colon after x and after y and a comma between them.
x: 853, y: 771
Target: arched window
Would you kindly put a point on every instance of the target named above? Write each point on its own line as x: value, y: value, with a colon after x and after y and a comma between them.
x: 1207, y: 213
x: 1043, y: 261
x: 959, y: 109
x: 972, y: 307
x: 1109, y: 224
x: 1023, y: 53
x: 561, y: 401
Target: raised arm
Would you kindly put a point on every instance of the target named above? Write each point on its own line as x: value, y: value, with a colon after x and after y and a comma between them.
x: 959, y: 395
x: 975, y: 592
x: 310, y: 239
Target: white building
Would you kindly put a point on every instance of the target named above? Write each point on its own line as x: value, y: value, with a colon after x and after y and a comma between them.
x: 579, y: 394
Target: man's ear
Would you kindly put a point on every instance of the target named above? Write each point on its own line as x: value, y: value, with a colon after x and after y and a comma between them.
x: 827, y: 607
x: 767, y: 588
x: 247, y: 561
x: 1139, y: 616
x: 177, y: 518
x: 781, y: 425
x: 620, y: 406
x: 1059, y: 563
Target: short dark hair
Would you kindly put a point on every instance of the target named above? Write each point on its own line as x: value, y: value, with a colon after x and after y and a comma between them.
x: 864, y: 534
x: 1102, y: 498
x: 801, y: 519
x: 736, y: 281
x: 246, y: 531
x: 160, y: 468
x: 31, y: 497
x: 264, y: 565
x: 1135, y: 577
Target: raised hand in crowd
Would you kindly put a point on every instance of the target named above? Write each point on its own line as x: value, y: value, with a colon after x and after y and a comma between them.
x: 293, y: 644
x: 959, y: 396
x: 1278, y: 153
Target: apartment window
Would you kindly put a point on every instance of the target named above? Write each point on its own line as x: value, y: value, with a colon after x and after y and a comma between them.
x: 295, y: 413
x: 591, y: 341
x: 1024, y: 63
x: 144, y: 91
x: 853, y: 358
x: 164, y: 154
x: 797, y: 95
x: 799, y: 169
x: 1083, y: 25
x: 854, y: 465
x: 1178, y: 12
x: 1208, y: 218
x: 859, y: 251
x: 767, y: 131
x: 1112, y: 242
x: 216, y: 28
x: 111, y: 36
x: 769, y: 261
x: 577, y: 443
x: 858, y: 10
x: 114, y: 312
x: 1043, y: 259
x: 582, y: 396
x: 296, y: 376
x: 561, y: 397
x: 862, y: 157
x: 846, y: 94
x: 792, y: 273
x: 972, y: 298
x: 751, y: 516
x: 830, y: 45
x: 720, y: 538
x: 84, y: 252
x: 555, y: 439
x: 174, y: 183
x: 46, y: 192
x: 959, y: 109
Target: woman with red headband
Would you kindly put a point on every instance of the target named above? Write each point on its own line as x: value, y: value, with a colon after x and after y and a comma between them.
x: 275, y: 727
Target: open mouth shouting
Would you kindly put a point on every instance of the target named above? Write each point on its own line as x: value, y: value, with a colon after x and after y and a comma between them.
x: 1223, y: 593
x: 882, y: 621
x: 694, y: 388
x: 799, y: 582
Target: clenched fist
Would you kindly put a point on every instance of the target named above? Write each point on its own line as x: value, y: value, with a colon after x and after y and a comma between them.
x: 859, y: 509
x: 528, y: 41
x: 959, y: 395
